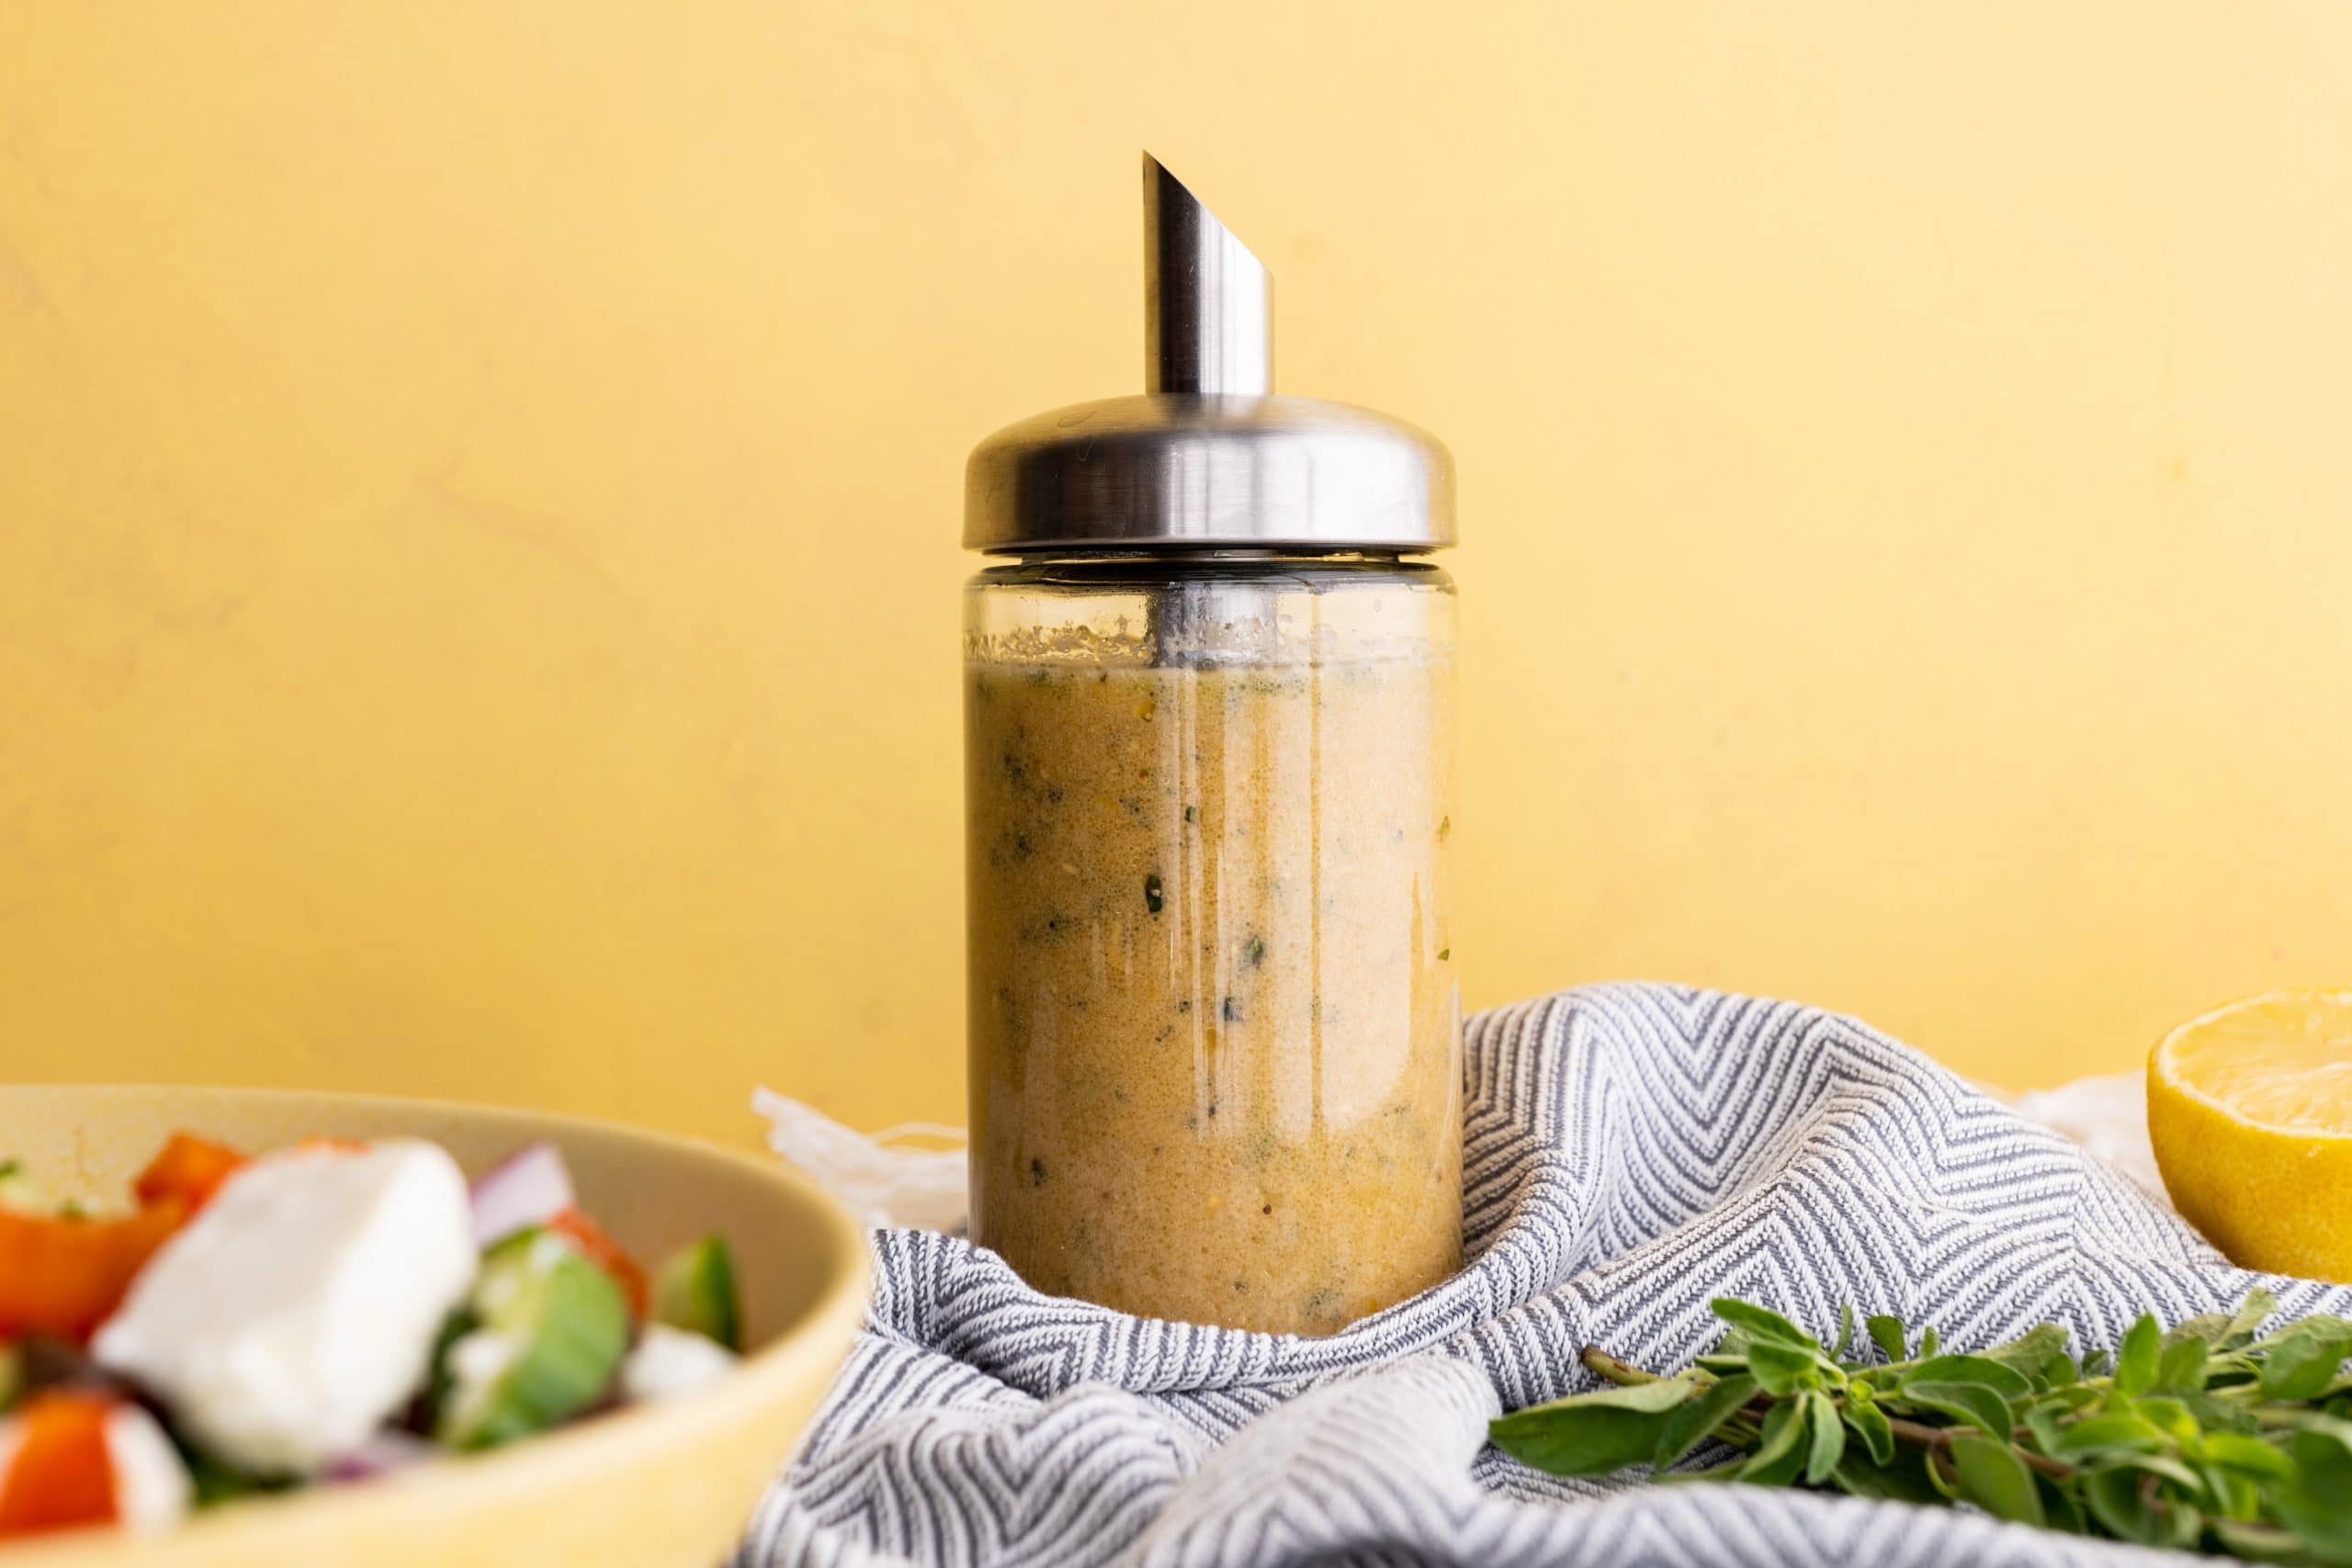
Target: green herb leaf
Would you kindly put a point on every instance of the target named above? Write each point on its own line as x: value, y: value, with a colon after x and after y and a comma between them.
x: 1870, y: 1424
x: 1780, y: 1450
x: 1582, y: 1443
x: 2121, y: 1431
x: 2251, y: 1455
x: 2305, y: 1358
x: 2182, y: 1364
x: 1996, y: 1480
x: 2317, y: 1505
x: 2116, y: 1500
x: 2216, y: 1414
x: 2061, y: 1511
x: 1781, y: 1368
x: 1886, y: 1333
x: 2329, y: 1442
x: 1696, y: 1419
x: 1844, y: 1330
x: 2259, y: 1544
x: 2318, y: 1322
x: 2135, y: 1358
x: 2209, y: 1326
x: 2031, y: 1351
x: 1827, y: 1434
x: 1971, y: 1402
x: 1762, y: 1323
x: 1903, y: 1479
x: 1998, y: 1376
x: 2229, y: 1494
x: 1728, y: 1470
x: 2041, y: 1420
x: 2162, y: 1466
x: 2172, y: 1511
x: 2168, y: 1414
x: 1591, y: 1434
x: 1660, y: 1394
x: 2252, y: 1313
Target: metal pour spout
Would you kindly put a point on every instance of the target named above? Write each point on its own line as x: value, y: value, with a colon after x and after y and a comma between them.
x: 1208, y: 317
x: 1208, y: 456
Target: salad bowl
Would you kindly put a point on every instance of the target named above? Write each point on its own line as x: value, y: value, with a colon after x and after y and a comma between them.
x: 670, y: 1481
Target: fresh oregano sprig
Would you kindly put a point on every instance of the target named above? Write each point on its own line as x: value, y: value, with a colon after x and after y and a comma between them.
x: 2210, y: 1436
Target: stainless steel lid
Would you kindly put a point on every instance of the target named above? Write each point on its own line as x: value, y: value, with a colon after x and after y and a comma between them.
x: 1208, y: 456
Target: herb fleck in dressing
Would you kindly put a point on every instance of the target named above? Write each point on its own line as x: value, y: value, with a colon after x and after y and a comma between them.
x: 1213, y: 1015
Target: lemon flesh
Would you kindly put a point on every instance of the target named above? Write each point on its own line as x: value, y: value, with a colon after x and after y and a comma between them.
x: 2250, y: 1111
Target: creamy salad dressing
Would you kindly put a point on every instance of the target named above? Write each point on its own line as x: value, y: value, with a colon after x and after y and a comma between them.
x: 1214, y: 1005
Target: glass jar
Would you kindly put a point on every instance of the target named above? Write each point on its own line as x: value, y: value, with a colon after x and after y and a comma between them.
x: 1215, y: 1024
x: 1215, y: 1028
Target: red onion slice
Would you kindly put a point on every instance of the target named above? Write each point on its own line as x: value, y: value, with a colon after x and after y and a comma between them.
x: 387, y: 1451
x: 527, y: 1188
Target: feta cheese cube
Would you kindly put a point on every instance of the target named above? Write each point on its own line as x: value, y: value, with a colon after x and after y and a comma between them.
x: 300, y: 1309
x: 669, y: 1361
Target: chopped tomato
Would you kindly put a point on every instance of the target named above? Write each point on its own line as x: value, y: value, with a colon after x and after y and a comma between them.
x: 189, y: 1169
x: 605, y: 1253
x: 62, y: 1276
x: 61, y: 1474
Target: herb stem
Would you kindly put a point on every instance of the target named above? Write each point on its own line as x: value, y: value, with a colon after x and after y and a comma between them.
x: 1624, y: 1374
x: 1937, y: 1441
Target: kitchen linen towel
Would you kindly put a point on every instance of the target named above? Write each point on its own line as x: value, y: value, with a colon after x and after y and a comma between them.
x: 1631, y: 1151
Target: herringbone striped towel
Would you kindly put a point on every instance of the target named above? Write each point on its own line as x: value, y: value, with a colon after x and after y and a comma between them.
x: 1633, y: 1150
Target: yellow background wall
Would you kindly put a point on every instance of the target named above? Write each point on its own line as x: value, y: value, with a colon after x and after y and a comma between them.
x: 479, y: 488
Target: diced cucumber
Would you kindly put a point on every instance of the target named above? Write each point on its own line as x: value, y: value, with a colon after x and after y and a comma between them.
x: 695, y: 1291
x: 215, y: 1481
x: 552, y: 1330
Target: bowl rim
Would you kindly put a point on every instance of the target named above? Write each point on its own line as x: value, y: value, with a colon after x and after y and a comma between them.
x: 608, y: 1444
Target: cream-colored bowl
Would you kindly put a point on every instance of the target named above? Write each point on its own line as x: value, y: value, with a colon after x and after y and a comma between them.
x: 672, y: 1483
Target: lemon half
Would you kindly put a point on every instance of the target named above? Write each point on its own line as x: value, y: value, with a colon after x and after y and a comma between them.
x: 2250, y: 1111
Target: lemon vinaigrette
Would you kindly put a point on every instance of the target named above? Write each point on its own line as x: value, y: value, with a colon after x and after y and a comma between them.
x: 1212, y: 1006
